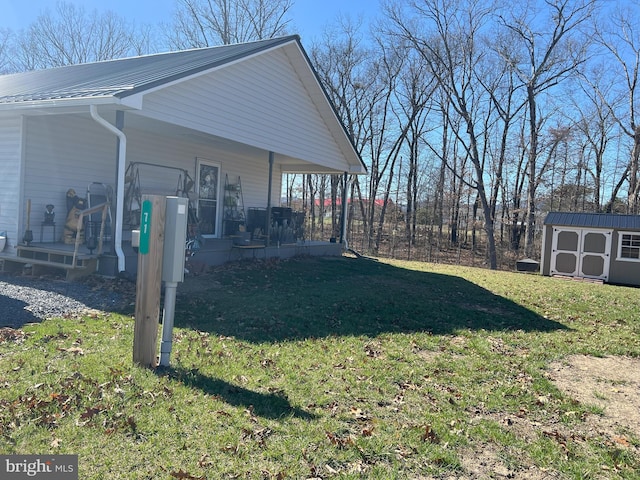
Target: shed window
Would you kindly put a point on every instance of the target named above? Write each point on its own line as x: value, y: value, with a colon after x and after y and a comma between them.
x: 629, y: 246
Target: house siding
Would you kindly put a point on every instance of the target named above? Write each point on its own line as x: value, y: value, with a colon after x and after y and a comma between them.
x: 11, y: 129
x: 252, y: 170
x: 56, y: 161
x: 260, y: 102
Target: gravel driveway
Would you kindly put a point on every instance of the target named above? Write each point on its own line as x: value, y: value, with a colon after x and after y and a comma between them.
x: 26, y: 300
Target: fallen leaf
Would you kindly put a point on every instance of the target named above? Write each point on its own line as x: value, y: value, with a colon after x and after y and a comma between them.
x: 182, y: 474
x: 205, y: 461
x: 74, y: 350
x: 429, y: 435
x: 622, y: 441
x: 90, y: 412
x: 367, y: 431
x: 331, y: 470
x: 359, y: 414
x: 339, y: 441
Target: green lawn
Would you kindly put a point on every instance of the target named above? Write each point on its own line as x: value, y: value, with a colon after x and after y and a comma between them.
x: 328, y: 368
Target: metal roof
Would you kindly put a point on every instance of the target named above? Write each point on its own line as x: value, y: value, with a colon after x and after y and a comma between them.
x: 593, y: 220
x: 123, y: 77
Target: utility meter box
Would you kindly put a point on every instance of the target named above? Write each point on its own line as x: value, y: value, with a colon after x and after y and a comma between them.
x: 135, y: 239
x: 175, y: 238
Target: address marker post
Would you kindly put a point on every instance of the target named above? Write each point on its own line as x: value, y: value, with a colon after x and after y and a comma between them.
x: 148, y: 285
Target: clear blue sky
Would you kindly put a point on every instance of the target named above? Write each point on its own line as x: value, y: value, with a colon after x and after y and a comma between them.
x: 309, y: 16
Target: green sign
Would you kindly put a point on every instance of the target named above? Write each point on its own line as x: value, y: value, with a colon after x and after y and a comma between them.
x: 145, y: 226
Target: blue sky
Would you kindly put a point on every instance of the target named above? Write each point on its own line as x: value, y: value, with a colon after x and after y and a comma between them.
x: 310, y: 16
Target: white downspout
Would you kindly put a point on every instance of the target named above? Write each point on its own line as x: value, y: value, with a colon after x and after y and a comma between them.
x: 122, y: 155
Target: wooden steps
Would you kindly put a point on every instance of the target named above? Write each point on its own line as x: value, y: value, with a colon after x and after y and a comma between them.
x: 42, y: 259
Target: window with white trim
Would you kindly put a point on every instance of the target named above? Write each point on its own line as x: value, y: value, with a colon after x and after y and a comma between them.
x: 629, y: 246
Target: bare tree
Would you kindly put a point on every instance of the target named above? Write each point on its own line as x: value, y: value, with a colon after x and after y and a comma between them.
x: 620, y: 37
x: 542, y: 55
x: 415, y: 88
x: 596, y: 124
x: 451, y: 49
x: 205, y: 23
x: 5, y: 65
x: 348, y: 72
x: 502, y: 87
x: 70, y: 35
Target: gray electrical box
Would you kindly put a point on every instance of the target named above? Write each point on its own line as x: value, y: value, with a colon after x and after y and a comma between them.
x: 175, y: 237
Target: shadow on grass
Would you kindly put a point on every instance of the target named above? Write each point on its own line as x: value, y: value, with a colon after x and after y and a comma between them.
x: 267, y: 405
x: 13, y: 313
x: 316, y: 297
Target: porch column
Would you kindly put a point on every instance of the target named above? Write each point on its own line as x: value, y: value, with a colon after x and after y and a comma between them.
x: 343, y: 216
x: 271, y: 155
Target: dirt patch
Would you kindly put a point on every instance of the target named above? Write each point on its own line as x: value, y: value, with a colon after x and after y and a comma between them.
x: 610, y: 383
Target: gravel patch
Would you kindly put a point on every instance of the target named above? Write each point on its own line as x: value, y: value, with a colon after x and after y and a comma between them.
x: 27, y: 300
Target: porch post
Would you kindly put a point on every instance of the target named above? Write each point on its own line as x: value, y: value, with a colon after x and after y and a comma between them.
x: 271, y: 155
x: 343, y: 219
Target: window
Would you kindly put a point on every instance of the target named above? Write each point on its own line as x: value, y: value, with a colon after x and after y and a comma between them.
x: 208, y: 186
x: 629, y: 246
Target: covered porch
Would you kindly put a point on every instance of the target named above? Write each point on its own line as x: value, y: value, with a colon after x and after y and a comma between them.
x: 220, y: 126
x: 40, y: 258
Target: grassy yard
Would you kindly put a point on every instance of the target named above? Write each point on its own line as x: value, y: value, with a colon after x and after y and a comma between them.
x: 330, y: 368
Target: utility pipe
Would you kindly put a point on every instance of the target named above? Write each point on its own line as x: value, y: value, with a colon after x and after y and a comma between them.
x: 122, y: 155
x: 168, y: 314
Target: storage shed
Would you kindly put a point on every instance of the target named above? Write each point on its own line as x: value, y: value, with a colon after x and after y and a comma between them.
x: 601, y: 246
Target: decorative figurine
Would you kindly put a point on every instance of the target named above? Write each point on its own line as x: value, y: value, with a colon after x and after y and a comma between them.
x: 49, y: 215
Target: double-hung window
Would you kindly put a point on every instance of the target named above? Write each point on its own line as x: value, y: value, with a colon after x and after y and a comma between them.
x: 629, y: 246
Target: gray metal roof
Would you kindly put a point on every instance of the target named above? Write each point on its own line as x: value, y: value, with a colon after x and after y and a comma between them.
x: 593, y: 220
x: 123, y: 77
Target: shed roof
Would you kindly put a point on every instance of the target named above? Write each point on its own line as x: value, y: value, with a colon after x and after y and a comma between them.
x: 122, y: 77
x: 593, y: 220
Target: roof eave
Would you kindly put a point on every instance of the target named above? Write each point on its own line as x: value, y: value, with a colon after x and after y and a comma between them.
x: 64, y: 105
x: 320, y: 170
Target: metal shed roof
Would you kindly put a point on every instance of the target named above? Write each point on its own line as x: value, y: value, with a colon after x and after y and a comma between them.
x: 122, y: 77
x: 593, y: 220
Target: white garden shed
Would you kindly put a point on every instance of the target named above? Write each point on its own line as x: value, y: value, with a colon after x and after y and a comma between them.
x: 252, y: 111
x: 599, y: 246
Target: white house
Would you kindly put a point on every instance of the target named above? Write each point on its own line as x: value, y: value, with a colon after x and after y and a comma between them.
x: 150, y: 124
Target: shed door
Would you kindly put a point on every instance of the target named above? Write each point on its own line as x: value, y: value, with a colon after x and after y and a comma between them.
x: 580, y: 252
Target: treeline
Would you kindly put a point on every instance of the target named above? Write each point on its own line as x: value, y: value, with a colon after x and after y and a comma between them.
x: 474, y: 117
x: 485, y: 115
